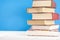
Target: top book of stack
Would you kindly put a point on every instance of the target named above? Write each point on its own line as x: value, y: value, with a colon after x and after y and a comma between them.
x: 44, y: 3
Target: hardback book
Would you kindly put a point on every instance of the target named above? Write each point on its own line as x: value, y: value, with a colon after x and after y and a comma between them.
x: 35, y: 10
x: 43, y: 3
x: 45, y: 16
x: 53, y: 30
x: 40, y: 22
x: 42, y: 33
x: 49, y: 27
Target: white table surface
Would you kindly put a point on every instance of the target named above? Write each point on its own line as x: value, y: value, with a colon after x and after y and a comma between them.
x: 21, y: 35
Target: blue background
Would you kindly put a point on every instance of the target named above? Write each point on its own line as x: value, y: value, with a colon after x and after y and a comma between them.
x: 14, y: 16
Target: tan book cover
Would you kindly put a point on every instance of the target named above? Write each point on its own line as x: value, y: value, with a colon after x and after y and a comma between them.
x: 34, y: 10
x: 41, y: 22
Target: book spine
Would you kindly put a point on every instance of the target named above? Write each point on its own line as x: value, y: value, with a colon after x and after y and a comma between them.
x: 35, y: 10
x: 40, y: 3
x: 41, y: 22
x: 37, y: 33
x: 51, y: 27
x: 46, y: 16
x: 54, y: 30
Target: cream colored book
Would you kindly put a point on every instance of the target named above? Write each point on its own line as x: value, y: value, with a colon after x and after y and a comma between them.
x: 44, y: 3
x: 41, y: 22
x: 43, y: 16
x: 42, y: 33
x: 37, y: 3
x: 49, y: 27
x: 35, y: 10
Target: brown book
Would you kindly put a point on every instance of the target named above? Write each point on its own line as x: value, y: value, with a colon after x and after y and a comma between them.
x: 35, y: 10
x: 43, y: 3
x: 41, y: 22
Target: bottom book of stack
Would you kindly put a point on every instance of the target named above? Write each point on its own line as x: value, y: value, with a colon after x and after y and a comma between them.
x: 49, y: 31
x: 43, y: 33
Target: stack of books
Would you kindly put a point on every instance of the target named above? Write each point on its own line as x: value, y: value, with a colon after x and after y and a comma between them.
x: 43, y: 18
